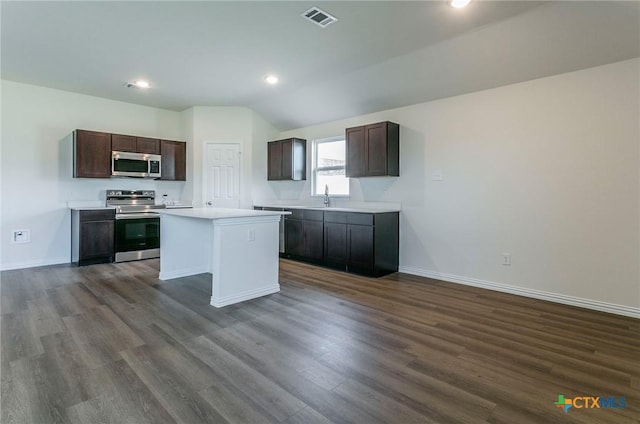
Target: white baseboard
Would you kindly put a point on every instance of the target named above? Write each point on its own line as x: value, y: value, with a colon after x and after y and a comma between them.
x: 185, y: 272
x: 251, y: 294
x: 31, y: 264
x: 597, y: 305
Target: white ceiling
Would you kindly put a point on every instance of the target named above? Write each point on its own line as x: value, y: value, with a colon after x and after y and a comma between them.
x: 379, y: 55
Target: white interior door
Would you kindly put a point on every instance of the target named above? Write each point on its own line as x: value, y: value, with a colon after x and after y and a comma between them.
x: 222, y: 175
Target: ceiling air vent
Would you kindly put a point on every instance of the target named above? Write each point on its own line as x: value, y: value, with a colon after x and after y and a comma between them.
x: 319, y: 17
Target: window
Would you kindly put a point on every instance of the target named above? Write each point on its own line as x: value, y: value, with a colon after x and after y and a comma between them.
x: 329, y: 167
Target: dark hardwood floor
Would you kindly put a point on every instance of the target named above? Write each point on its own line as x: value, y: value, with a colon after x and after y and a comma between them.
x: 113, y: 344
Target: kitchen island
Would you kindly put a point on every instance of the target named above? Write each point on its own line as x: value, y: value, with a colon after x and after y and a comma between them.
x: 239, y: 247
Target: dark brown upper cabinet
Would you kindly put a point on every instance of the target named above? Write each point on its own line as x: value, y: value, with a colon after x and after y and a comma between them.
x: 373, y: 150
x: 91, y: 154
x: 174, y: 160
x: 147, y: 145
x: 129, y: 143
x: 287, y: 160
x: 123, y: 143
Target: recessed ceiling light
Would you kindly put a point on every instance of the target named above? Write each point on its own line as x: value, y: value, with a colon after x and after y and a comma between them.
x: 271, y: 79
x: 138, y: 84
x: 459, y: 4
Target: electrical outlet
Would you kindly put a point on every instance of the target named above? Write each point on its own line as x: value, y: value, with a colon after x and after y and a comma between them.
x: 436, y: 175
x: 251, y: 236
x: 506, y: 259
x: 21, y: 236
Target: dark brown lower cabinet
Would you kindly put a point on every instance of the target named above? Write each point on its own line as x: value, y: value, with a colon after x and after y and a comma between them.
x: 335, y: 243
x: 294, y: 237
x: 92, y: 236
x: 303, y: 239
x: 360, y: 251
x: 363, y: 243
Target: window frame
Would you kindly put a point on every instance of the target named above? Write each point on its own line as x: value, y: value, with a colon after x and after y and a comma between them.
x: 314, y: 165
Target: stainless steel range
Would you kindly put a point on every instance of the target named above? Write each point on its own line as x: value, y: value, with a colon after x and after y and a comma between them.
x: 137, y: 227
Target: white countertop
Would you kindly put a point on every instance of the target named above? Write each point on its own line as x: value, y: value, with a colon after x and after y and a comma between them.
x: 90, y: 208
x: 332, y: 209
x: 217, y: 213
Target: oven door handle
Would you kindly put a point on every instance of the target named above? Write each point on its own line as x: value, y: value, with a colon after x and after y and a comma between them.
x: 137, y: 216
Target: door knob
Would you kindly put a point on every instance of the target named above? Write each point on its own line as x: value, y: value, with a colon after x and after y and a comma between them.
x: 210, y: 203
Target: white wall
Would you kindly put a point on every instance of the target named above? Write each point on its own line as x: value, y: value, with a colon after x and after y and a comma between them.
x: 547, y: 170
x: 37, y: 164
x: 262, y: 189
x: 37, y: 160
x: 227, y: 125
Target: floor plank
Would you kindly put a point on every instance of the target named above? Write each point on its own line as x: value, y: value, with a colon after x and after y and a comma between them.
x: 112, y: 343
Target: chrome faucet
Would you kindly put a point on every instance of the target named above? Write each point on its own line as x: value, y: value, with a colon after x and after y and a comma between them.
x: 326, y: 196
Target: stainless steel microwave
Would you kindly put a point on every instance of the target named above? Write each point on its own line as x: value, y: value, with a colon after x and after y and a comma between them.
x: 141, y: 165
